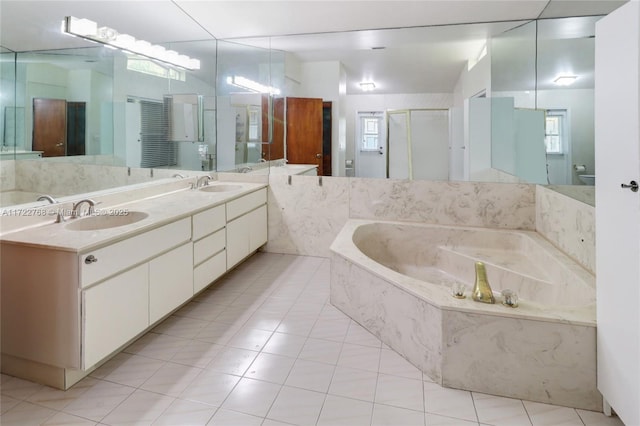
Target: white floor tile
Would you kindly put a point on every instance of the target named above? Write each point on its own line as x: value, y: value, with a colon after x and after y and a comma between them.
x: 449, y: 402
x: 232, y: 361
x: 57, y: 399
x: 252, y: 397
x: 99, y: 401
x: 437, y: 420
x: 360, y: 357
x: 233, y: 418
x: 352, y: 383
x: 185, y: 413
x: 210, y: 387
x: 201, y: 311
x: 171, y: 379
x: 217, y: 332
x: 270, y: 368
x: 285, y: 344
x: 18, y: 388
x: 128, y: 369
x: 180, y: 326
x: 157, y: 346
x: 300, y: 325
x: 335, y: 329
x: 361, y: 336
x: 386, y: 415
x: 310, y: 375
x: 340, y: 411
x: 297, y: 406
x: 7, y: 403
x: 141, y: 408
x: 496, y: 410
x: 26, y: 414
x: 545, y: 414
x: 591, y: 418
x: 321, y: 351
x: 393, y: 364
x: 197, y: 353
x: 399, y: 392
x: 63, y: 419
x: 250, y: 338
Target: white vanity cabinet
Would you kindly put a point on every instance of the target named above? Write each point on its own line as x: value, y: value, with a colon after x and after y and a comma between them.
x: 209, y: 243
x: 246, y: 226
x: 66, y: 308
x: 149, y: 275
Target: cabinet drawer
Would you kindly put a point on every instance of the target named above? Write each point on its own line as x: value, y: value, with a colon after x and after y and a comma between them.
x: 124, y: 254
x: 205, y: 273
x: 170, y: 281
x: 208, y: 246
x: 242, y: 205
x: 206, y: 222
x: 114, y: 312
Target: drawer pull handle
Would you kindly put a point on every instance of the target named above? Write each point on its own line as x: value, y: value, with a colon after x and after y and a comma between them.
x: 90, y: 259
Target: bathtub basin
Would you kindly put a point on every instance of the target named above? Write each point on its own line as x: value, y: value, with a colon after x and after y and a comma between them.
x: 395, y: 279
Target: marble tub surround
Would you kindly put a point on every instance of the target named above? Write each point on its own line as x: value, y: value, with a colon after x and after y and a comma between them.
x: 535, y: 351
x: 305, y: 218
x: 163, y: 204
x: 7, y: 175
x: 569, y: 224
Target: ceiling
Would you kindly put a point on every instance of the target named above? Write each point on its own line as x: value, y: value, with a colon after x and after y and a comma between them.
x: 313, y: 30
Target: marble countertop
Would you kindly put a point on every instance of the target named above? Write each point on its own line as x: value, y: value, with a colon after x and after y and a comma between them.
x: 161, y: 209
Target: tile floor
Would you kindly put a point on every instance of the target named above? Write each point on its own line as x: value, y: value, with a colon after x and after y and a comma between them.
x: 265, y: 347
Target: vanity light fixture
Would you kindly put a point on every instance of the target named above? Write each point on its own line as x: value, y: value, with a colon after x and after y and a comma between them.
x: 251, y: 85
x: 89, y: 30
x: 565, y: 80
x: 367, y: 86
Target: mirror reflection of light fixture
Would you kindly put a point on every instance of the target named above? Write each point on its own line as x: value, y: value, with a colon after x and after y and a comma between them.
x: 565, y: 80
x: 89, y: 30
x: 251, y: 85
x: 367, y: 86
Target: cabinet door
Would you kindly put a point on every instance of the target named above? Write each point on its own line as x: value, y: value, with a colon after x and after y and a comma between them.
x: 257, y: 228
x: 237, y: 241
x: 114, y: 312
x: 170, y: 281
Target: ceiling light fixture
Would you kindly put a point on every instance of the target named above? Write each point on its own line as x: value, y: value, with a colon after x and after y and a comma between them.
x: 565, y: 80
x: 251, y: 85
x: 367, y: 86
x: 89, y: 30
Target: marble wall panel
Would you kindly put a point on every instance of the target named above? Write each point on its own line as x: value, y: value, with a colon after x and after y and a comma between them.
x: 491, y: 205
x: 568, y: 224
x: 304, y: 216
x: 7, y: 175
x: 533, y: 360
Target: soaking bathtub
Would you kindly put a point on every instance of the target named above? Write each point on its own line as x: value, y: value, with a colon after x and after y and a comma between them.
x: 396, y: 280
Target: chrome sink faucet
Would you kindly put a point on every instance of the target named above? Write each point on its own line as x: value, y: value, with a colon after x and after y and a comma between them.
x: 203, y: 181
x: 49, y: 198
x: 75, y: 211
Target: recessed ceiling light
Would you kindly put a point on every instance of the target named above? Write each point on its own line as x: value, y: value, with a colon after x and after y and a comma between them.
x: 565, y: 80
x: 367, y: 86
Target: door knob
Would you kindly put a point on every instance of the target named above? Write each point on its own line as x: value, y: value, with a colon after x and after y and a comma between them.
x: 633, y: 186
x: 318, y: 156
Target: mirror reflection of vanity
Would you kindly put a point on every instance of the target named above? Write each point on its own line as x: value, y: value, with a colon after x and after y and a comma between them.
x: 232, y: 126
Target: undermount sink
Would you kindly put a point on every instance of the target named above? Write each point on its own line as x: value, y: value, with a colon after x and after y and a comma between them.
x: 220, y: 188
x: 93, y: 223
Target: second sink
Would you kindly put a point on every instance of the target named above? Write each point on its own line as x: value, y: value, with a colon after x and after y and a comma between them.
x: 220, y: 188
x: 94, y: 223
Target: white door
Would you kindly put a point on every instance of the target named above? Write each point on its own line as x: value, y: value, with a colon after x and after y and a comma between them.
x: 618, y: 210
x: 430, y: 144
x: 371, y: 147
x: 399, y: 143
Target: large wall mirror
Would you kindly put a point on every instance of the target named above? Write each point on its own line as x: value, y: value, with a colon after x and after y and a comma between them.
x: 455, y: 104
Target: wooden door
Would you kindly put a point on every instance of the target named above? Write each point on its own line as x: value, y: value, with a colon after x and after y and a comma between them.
x: 326, y: 138
x: 304, y: 132
x: 50, y: 127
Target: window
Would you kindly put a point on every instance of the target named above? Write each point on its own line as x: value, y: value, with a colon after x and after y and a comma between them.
x: 555, y: 131
x: 147, y: 66
x: 370, y: 130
